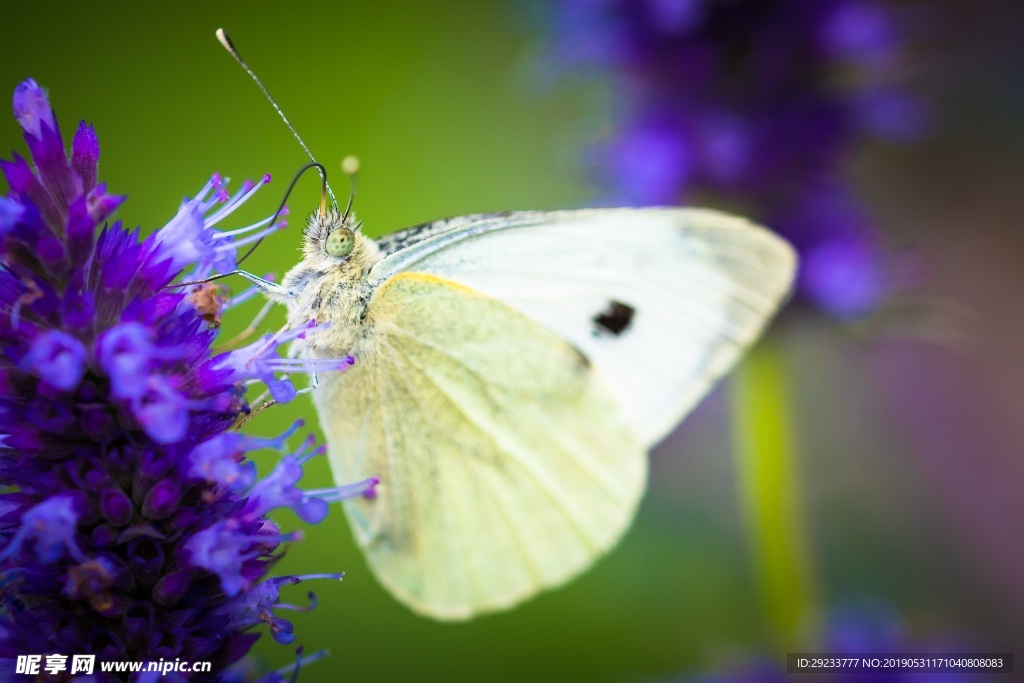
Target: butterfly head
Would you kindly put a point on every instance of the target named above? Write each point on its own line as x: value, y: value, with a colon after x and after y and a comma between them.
x: 333, y: 240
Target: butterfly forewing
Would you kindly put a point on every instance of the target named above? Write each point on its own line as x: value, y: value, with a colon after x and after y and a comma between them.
x: 661, y: 301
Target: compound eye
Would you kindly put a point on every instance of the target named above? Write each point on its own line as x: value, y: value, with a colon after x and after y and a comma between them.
x: 340, y: 242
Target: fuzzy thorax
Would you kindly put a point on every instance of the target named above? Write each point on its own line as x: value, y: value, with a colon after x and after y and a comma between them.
x: 330, y: 289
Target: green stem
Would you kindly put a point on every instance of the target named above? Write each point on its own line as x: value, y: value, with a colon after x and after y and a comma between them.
x: 768, y: 481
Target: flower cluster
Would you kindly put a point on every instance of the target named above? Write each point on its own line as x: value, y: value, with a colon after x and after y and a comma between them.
x: 133, y: 525
x: 753, y: 103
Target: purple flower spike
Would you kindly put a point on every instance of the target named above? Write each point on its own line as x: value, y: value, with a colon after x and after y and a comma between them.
x: 133, y: 524
x: 751, y: 104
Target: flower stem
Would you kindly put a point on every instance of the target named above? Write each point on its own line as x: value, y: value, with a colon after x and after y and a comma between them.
x: 769, y: 490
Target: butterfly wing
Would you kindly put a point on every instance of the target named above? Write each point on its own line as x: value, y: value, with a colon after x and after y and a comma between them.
x: 661, y: 301
x: 504, y: 467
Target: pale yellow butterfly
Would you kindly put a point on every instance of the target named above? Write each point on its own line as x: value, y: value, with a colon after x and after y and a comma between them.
x: 511, y: 372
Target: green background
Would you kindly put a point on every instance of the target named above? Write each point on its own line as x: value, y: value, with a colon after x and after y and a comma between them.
x: 440, y: 103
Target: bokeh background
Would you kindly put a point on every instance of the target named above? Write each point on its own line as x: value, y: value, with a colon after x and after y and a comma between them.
x: 906, y: 429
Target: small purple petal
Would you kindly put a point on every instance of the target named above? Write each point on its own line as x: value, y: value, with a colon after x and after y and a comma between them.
x: 258, y: 605
x: 278, y: 490
x: 186, y: 240
x: 219, y: 466
x: 11, y: 213
x: 32, y: 108
x: 125, y: 352
x: 85, y: 155
x: 116, y: 506
x: 56, y: 358
x: 221, y: 549
x: 23, y: 181
x: 51, y: 416
x: 259, y: 361
x: 162, y: 411
x: 171, y: 587
x: 102, y: 205
x: 52, y: 524
x: 162, y: 499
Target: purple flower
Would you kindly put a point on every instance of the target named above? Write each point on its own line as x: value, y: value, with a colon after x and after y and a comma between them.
x: 752, y: 103
x: 57, y: 358
x: 133, y: 525
x: 258, y: 606
x: 52, y: 525
x: 259, y: 361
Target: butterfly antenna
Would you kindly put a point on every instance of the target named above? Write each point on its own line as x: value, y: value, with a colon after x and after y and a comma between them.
x: 284, y: 201
x: 222, y: 36
x: 350, y: 166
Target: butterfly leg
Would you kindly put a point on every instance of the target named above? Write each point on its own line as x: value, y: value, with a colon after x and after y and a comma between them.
x: 242, y: 422
x: 294, y: 351
x: 271, y: 290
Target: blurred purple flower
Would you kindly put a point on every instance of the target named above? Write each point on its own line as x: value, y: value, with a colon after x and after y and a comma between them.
x: 133, y: 527
x: 752, y: 103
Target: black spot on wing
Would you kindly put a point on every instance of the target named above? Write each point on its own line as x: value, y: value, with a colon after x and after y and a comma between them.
x: 614, y: 319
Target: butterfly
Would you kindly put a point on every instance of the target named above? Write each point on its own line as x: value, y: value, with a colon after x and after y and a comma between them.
x: 511, y: 372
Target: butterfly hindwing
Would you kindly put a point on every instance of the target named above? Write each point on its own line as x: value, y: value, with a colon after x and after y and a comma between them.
x: 505, y: 468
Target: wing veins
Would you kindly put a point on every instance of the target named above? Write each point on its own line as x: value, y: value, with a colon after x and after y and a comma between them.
x: 475, y: 579
x: 512, y: 455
